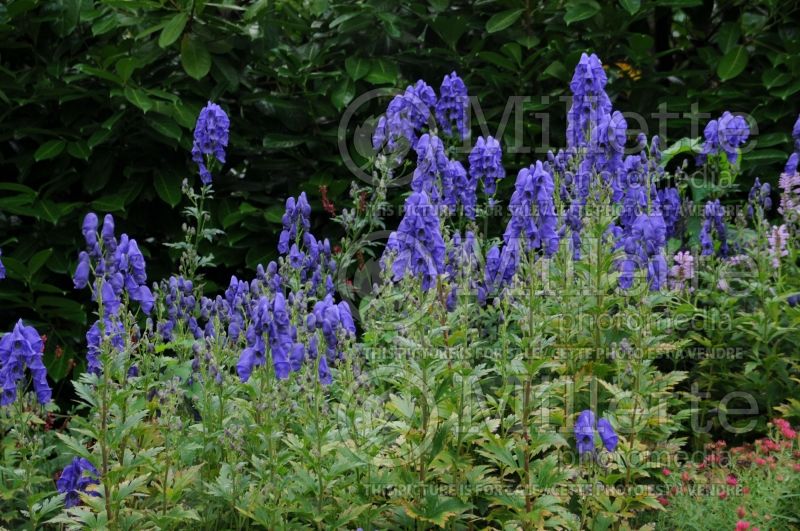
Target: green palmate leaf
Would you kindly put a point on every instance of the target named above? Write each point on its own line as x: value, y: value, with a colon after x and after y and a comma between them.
x: 732, y: 63
x: 173, y: 30
x: 195, y: 58
x: 579, y: 11
x: 357, y: 67
x: 631, y: 6
x: 168, y: 187
x: 502, y: 20
x: 49, y: 150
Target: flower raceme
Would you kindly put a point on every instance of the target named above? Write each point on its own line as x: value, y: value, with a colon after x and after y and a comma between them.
x: 20, y: 349
x: 119, y: 270
x: 585, y: 429
x: 75, y: 479
x: 210, y: 139
x: 724, y: 135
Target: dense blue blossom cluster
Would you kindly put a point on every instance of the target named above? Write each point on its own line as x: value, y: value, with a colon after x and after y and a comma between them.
x: 417, y: 245
x: 589, y: 100
x: 119, y: 271
x: 75, y: 479
x: 20, y: 349
x: 452, y: 109
x: 724, y: 135
x: 210, y: 139
x: 292, y: 321
x: 714, y: 224
x: 486, y: 163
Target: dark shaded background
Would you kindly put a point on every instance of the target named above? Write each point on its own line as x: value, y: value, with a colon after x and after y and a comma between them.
x: 98, y: 101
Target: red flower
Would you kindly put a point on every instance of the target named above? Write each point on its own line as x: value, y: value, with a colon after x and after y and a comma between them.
x: 742, y: 525
x: 732, y: 481
x: 685, y: 477
x: 663, y: 501
x: 740, y: 512
x: 723, y: 495
x: 666, y: 471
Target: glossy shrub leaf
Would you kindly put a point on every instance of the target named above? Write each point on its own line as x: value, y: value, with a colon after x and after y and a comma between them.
x: 357, y: 67
x: 578, y: 11
x: 195, y: 58
x: 631, y: 6
x: 732, y: 63
x: 172, y: 30
x: 48, y: 150
x: 502, y: 20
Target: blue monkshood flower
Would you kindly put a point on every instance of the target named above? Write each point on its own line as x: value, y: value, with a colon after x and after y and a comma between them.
x: 210, y: 138
x: 486, y: 163
x: 81, y: 277
x: 429, y: 175
x: 89, y: 230
x: 2, y: 268
x: 589, y: 100
x: 584, y: 432
x: 791, y: 164
x: 297, y: 216
x: 405, y: 117
x: 464, y: 187
x: 793, y: 300
x: 324, y: 372
x: 76, y: 478
x: 111, y: 302
x: 21, y: 348
x: 113, y: 330
x: 759, y: 196
x: 453, y: 106
x: 669, y: 201
x: 107, y: 233
x: 607, y: 144
x: 607, y: 434
x: 533, y: 211
x: 726, y: 134
x: 796, y: 134
x: 585, y: 429
x: 714, y: 222
x: 417, y: 245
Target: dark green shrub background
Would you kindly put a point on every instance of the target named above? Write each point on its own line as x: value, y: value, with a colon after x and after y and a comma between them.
x: 98, y: 101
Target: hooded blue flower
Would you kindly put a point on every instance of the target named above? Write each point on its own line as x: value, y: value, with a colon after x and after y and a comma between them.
x: 210, y: 138
x: 607, y: 434
x: 486, y: 163
x: 406, y: 116
x: 589, y: 100
x: 584, y: 432
x: 714, y: 222
x: 429, y: 175
x: 725, y: 135
x: 76, y: 478
x: 2, y: 268
x: 21, y: 348
x: 585, y: 429
x: 533, y: 211
x: 453, y: 106
x: 417, y: 245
